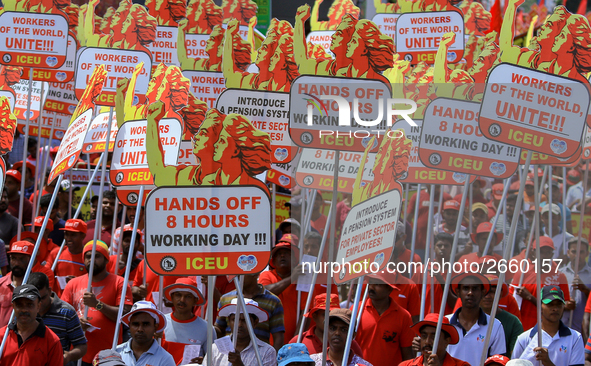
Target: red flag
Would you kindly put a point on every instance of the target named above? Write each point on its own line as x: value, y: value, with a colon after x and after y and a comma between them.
x: 582, y: 7
x: 496, y: 20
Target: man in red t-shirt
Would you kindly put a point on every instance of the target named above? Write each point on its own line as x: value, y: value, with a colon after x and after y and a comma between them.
x: 282, y: 279
x: 12, y: 184
x: 313, y: 337
x: 102, y: 302
x: 423, y: 197
x: 29, y: 341
x: 529, y: 290
x: 480, y: 238
x: 384, y: 328
x: 70, y: 264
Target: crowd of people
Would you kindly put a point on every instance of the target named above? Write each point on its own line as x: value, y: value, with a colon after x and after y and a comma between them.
x: 58, y: 320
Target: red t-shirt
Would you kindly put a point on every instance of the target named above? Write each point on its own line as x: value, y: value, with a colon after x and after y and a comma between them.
x: 447, y: 361
x: 112, y: 267
x: 319, y: 224
x: 107, y: 291
x: 289, y: 299
x: 70, y: 264
x: 314, y: 344
x: 423, y: 214
x: 42, y: 348
x: 27, y: 209
x: 384, y: 335
x: 436, y: 292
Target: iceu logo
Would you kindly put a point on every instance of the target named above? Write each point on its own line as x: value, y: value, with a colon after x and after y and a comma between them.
x: 345, y: 110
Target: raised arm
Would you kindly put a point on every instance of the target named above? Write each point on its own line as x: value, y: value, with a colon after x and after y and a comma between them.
x: 314, y: 23
x: 440, y: 69
x: 80, y: 29
x: 186, y: 62
x: 233, y: 77
x: 92, y: 40
x: 122, y: 87
x: 300, y: 47
x: 530, y: 31
x: 509, y: 53
x: 251, y: 39
x: 154, y: 150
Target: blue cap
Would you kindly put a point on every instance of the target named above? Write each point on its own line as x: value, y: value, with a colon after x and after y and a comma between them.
x: 293, y: 352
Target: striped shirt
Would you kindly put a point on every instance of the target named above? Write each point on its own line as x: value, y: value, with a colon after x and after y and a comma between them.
x: 62, y: 319
x: 268, y: 302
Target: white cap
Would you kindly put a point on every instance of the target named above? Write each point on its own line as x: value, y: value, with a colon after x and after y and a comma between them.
x: 519, y: 363
x: 252, y: 307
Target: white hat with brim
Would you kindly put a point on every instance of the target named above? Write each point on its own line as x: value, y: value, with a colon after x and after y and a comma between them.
x: 149, y: 308
x: 252, y: 307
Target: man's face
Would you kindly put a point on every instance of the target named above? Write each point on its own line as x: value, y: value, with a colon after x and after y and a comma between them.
x: 572, y: 252
x: 427, y: 334
x: 25, y: 310
x: 45, y: 301
x: 470, y: 290
x: 93, y: 208
x: 11, y: 185
x: 378, y: 291
x: 443, y: 249
x: 481, y: 241
x: 478, y: 217
x: 108, y: 207
x: 510, y: 209
x: 183, y: 301
x: 337, y: 334
x: 553, y: 311
x: 100, y: 263
x: 242, y: 328
x: 74, y: 240
x: 450, y: 217
x: 318, y: 317
x: 4, y: 202
x: 529, y: 189
x: 311, y: 247
x: 545, y: 252
x: 142, y: 328
x: 487, y: 300
x: 282, y: 259
x: 19, y: 264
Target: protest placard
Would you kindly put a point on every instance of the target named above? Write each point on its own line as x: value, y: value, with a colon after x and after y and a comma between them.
x: 97, y: 134
x: 315, y: 169
x: 129, y: 165
x: 33, y: 39
x: 206, y: 85
x: 417, y: 172
x: 21, y: 90
x: 61, y: 98
x: 163, y: 48
x: 118, y: 64
x: 59, y: 120
x: 267, y: 111
x: 418, y: 35
x: 534, y: 110
x: 63, y: 74
x: 543, y: 159
x: 368, y: 234
x: 71, y: 145
x: 281, y: 210
x: 451, y: 140
x: 586, y: 144
x: 11, y: 96
x: 322, y: 38
x: 387, y: 23
x: 283, y: 174
x: 186, y: 156
x: 320, y: 114
x: 208, y: 230
x: 128, y: 195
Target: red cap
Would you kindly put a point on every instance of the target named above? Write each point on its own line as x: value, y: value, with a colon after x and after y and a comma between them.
x: 21, y: 247
x: 500, y: 359
x: 529, y: 182
x: 545, y: 242
x: 497, y: 191
x: 39, y: 222
x: 451, y: 205
x: 186, y: 284
x: 75, y: 225
x: 284, y: 245
x: 486, y: 227
x: 289, y: 238
x: 320, y: 304
x: 494, y: 281
x: 14, y: 173
x: 28, y: 164
x: 432, y: 319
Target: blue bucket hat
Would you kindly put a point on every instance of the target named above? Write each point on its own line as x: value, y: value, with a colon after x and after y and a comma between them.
x: 293, y: 352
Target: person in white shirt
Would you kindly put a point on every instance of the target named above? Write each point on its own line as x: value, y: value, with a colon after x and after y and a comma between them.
x: 561, y: 345
x: 472, y: 322
x: 244, y: 354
